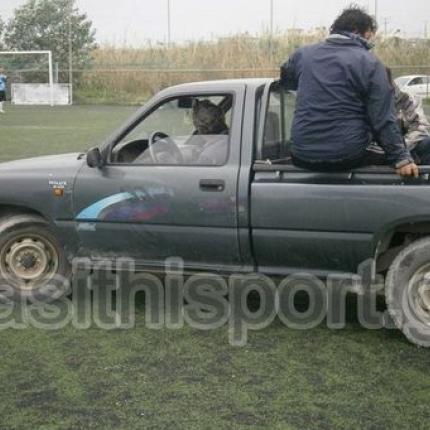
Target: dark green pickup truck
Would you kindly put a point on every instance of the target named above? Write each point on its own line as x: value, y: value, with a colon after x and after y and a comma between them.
x: 225, y: 200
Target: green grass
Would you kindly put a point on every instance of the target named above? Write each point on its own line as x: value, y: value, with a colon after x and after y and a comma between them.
x: 188, y: 379
x: 34, y: 130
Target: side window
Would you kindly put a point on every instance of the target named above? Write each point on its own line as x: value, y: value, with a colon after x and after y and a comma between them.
x: 278, y: 122
x: 190, y: 130
x: 416, y: 81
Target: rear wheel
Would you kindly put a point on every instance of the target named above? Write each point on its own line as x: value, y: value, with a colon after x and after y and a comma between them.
x: 408, y: 292
x: 33, y: 263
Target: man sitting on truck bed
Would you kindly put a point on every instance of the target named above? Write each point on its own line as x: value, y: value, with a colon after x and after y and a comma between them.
x: 344, y: 101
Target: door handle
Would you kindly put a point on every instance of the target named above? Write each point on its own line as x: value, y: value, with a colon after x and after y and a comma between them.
x: 212, y: 185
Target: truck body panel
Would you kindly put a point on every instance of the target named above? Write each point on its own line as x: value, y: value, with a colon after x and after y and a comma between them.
x: 262, y: 215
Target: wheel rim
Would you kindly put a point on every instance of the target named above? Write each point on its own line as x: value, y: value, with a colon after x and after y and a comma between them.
x: 419, y: 294
x: 28, y: 260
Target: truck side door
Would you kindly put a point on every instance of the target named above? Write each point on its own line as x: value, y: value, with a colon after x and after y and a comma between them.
x: 152, y: 209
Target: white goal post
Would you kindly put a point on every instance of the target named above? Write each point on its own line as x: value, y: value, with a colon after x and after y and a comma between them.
x: 50, y: 64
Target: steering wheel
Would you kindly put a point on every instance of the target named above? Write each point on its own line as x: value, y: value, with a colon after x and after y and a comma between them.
x: 169, y: 146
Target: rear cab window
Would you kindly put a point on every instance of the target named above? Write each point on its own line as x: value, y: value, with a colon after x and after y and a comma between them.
x: 273, y: 124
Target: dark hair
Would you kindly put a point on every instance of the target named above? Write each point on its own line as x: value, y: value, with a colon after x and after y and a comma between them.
x: 354, y: 19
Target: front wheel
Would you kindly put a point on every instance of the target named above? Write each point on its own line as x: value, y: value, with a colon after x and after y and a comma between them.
x: 408, y: 292
x: 33, y: 263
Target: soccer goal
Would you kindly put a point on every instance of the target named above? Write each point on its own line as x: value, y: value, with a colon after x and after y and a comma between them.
x: 31, y: 90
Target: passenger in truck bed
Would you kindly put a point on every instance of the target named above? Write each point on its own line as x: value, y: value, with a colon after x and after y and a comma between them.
x: 414, y: 125
x: 343, y: 101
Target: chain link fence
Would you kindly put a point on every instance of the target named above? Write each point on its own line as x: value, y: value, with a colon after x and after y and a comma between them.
x: 134, y: 85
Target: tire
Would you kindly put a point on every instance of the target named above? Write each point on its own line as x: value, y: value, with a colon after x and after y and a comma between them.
x: 33, y: 263
x: 407, y: 292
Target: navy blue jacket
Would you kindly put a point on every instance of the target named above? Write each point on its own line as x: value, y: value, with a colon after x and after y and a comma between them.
x: 344, y: 101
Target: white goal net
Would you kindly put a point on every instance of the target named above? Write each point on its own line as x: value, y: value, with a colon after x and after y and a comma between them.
x: 31, y: 79
x: 40, y: 94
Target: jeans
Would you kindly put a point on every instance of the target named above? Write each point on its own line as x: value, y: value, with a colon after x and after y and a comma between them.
x: 421, y: 153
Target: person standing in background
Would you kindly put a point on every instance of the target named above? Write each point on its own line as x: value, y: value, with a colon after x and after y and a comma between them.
x: 3, y: 82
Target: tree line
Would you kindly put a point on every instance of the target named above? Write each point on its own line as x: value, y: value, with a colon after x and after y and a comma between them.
x: 54, y: 25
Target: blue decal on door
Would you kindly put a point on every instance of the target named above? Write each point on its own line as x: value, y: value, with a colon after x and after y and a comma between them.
x: 134, y: 206
x: 93, y: 212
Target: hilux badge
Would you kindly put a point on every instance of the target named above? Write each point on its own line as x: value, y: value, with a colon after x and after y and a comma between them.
x: 57, y: 187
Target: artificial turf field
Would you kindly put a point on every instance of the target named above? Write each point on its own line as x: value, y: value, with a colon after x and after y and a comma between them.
x: 189, y: 379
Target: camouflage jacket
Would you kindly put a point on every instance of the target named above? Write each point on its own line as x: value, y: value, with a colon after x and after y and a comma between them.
x: 412, y: 119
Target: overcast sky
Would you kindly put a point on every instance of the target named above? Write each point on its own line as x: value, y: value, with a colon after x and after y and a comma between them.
x: 134, y: 22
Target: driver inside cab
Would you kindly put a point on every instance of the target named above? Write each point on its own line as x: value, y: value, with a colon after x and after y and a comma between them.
x: 211, y: 129
x: 207, y: 146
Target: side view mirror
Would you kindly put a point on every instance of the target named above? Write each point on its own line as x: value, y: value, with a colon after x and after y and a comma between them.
x: 94, y: 158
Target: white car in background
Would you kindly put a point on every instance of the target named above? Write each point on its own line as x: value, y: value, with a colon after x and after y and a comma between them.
x: 416, y: 85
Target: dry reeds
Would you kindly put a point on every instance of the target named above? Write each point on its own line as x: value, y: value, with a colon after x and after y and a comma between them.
x: 130, y: 75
